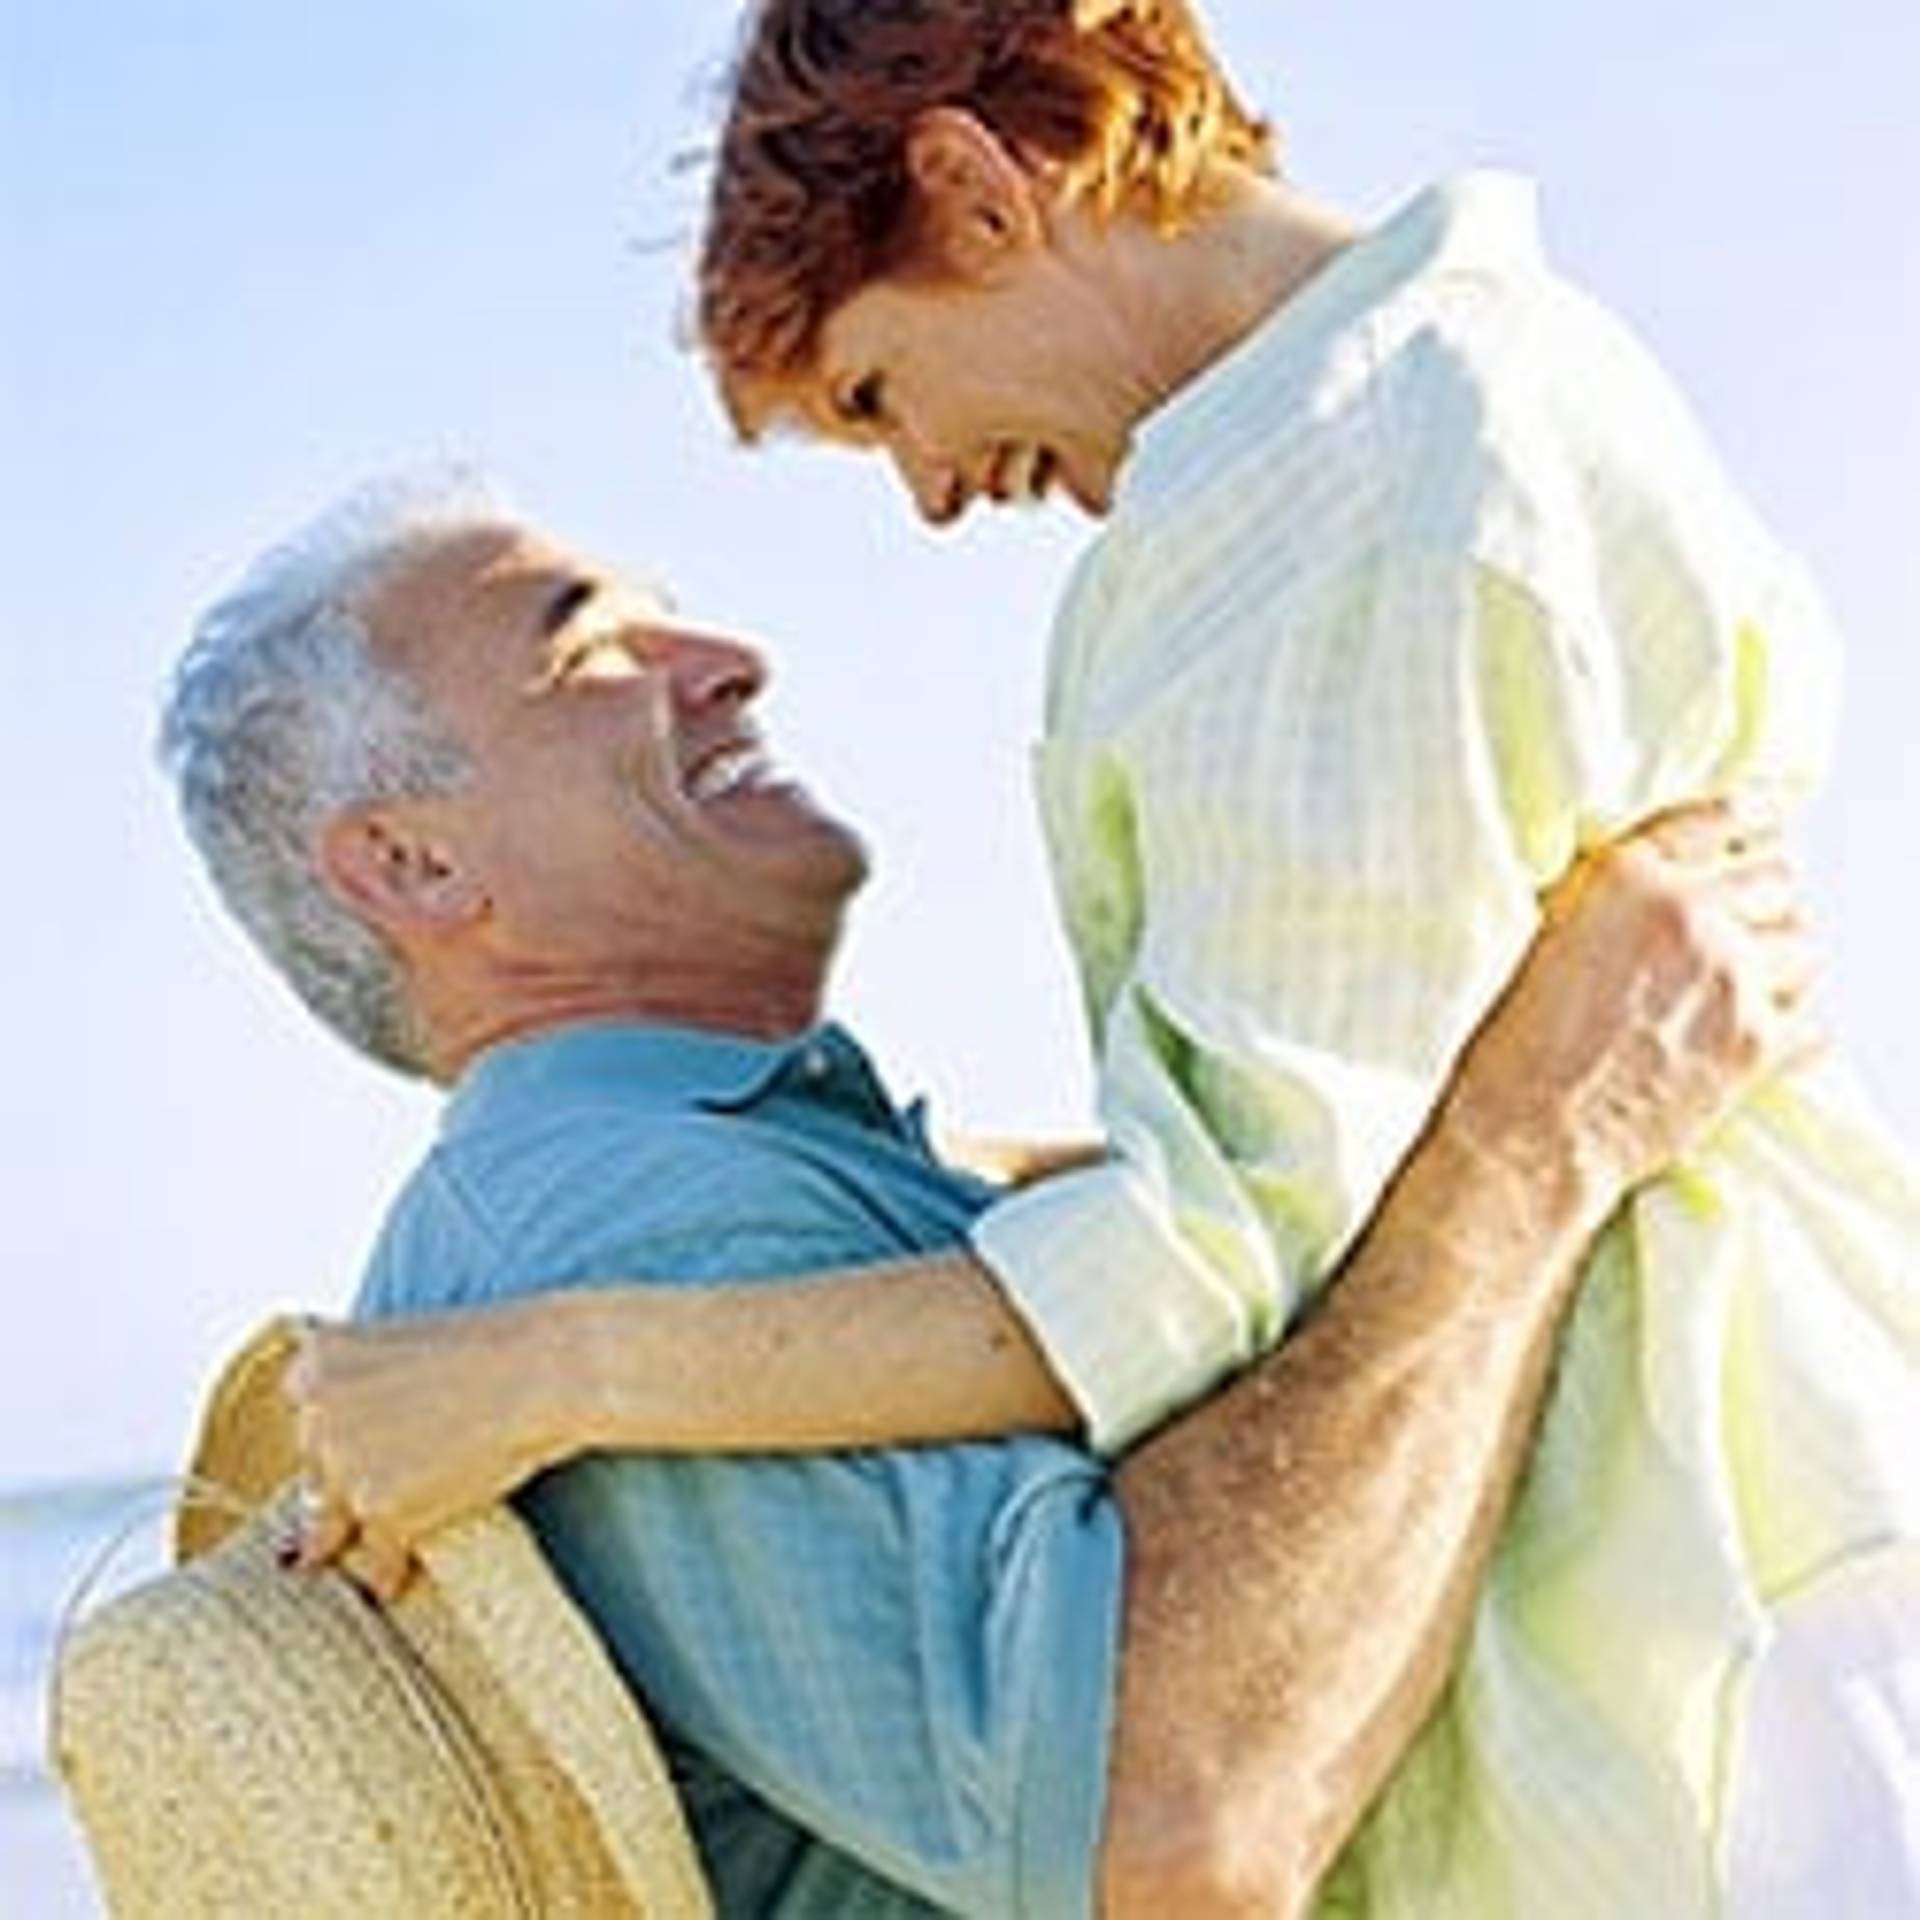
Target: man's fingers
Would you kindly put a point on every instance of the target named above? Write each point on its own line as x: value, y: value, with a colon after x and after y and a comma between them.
x: 1690, y: 833
x: 1796, y: 1035
x: 1794, y: 987
x: 1771, y: 912
x: 1806, y: 1040
x: 1769, y: 899
x: 1717, y: 831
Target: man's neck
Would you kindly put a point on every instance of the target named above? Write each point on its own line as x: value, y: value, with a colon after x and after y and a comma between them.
x: 463, y: 1023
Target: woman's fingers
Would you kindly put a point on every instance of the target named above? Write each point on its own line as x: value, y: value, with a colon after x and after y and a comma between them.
x: 330, y: 1529
x: 324, y: 1526
x: 370, y: 1450
x: 377, y: 1564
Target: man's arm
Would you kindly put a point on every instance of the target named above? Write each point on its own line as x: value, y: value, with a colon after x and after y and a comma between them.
x: 1304, y: 1550
x: 410, y: 1424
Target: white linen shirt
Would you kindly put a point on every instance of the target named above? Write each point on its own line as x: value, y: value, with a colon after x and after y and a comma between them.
x: 1429, y: 584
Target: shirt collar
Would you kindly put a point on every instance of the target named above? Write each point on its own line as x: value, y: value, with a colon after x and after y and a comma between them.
x: 677, y: 1066
x: 1480, y: 220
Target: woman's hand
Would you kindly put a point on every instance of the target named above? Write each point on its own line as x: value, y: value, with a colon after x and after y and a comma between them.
x: 407, y: 1425
x: 410, y: 1424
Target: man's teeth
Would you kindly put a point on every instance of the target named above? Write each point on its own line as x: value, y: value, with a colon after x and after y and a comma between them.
x: 726, y: 770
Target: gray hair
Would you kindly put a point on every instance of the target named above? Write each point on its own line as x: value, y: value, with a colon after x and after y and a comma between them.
x: 280, y: 718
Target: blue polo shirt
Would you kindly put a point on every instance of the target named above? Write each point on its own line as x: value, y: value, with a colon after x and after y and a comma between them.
x: 884, y: 1679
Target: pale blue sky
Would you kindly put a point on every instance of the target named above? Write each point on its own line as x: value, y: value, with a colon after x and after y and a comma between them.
x: 250, y: 250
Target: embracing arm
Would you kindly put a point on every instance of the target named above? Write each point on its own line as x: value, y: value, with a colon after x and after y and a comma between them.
x: 1373, y: 1456
x: 410, y: 1424
x: 910, y: 1352
x: 920, y: 1350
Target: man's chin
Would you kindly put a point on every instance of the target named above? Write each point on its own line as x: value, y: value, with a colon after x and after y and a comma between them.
x: 854, y: 863
x: 833, y: 856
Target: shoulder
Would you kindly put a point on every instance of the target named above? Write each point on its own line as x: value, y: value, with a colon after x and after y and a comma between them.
x: 600, y: 1191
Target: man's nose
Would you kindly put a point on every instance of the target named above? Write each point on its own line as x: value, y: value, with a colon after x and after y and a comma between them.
x: 712, y: 668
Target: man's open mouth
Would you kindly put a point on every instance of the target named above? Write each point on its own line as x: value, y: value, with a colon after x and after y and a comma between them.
x: 727, y: 768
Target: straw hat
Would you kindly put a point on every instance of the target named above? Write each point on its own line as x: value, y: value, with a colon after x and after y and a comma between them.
x: 241, y: 1739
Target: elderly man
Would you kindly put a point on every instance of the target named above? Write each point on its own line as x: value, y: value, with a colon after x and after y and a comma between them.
x: 504, y: 822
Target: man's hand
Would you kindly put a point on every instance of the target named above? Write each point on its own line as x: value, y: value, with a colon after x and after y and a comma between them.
x: 1373, y: 1455
x: 1671, y: 978
x: 410, y: 1424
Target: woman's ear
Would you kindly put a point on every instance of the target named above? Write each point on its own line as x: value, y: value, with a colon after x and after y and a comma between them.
x: 384, y: 864
x: 980, y: 206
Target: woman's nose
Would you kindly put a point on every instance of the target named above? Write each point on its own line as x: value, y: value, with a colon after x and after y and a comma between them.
x: 933, y: 481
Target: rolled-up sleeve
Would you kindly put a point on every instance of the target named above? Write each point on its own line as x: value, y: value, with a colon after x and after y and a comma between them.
x: 1129, y: 1316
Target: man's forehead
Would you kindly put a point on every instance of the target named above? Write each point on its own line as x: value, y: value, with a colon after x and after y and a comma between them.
x: 491, y: 569
x: 434, y: 569
x: 472, y: 562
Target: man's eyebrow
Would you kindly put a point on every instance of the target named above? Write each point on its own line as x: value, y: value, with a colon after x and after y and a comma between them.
x: 564, y: 602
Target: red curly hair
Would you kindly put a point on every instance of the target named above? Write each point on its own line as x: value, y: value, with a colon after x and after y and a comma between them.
x: 810, y: 196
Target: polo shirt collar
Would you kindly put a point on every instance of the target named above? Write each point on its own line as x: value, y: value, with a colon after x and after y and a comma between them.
x: 677, y: 1066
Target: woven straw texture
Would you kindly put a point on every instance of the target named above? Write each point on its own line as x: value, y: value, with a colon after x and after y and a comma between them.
x: 239, y: 1739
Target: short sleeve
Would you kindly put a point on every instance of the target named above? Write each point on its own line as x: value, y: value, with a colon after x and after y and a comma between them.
x: 911, y: 1656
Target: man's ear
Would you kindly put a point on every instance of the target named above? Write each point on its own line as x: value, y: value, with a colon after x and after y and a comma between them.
x: 980, y: 206
x: 386, y: 865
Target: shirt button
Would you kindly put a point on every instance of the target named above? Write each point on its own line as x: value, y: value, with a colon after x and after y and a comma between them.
x: 815, y: 1064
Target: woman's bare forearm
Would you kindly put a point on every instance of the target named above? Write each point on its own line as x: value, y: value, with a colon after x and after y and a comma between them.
x: 908, y: 1352
x: 918, y: 1351
x: 411, y: 1424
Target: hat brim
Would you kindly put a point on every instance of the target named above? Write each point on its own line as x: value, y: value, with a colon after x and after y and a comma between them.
x: 239, y: 1737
